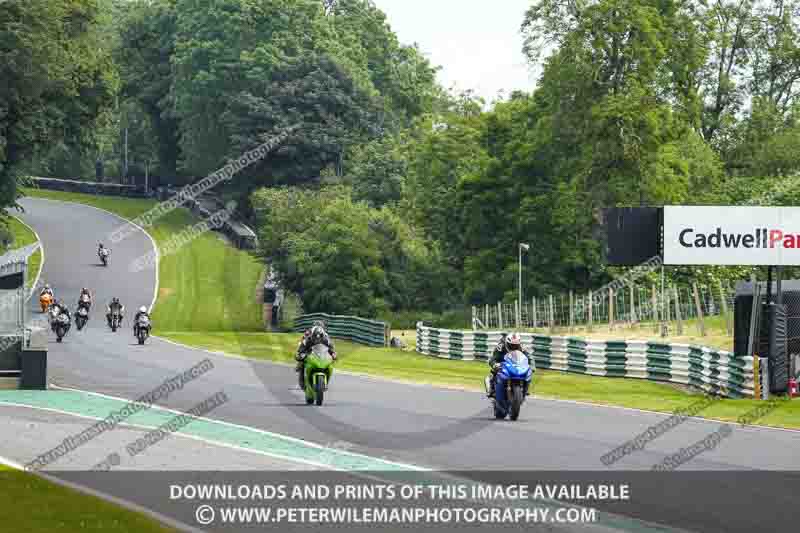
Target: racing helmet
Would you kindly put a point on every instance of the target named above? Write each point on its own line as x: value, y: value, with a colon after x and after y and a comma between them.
x: 142, y: 309
x: 513, y: 342
x: 317, y: 334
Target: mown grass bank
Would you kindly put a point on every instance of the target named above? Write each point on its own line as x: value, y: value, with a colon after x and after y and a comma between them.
x: 35, y: 505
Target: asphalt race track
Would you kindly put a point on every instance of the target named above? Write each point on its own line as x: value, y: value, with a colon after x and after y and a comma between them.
x: 412, y: 425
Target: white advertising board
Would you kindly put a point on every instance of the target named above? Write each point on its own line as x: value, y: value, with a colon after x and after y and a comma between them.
x: 731, y: 235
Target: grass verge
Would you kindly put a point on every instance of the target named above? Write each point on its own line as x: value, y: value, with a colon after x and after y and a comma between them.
x: 205, y: 285
x: 716, y: 334
x: 37, y: 505
x: 195, y: 281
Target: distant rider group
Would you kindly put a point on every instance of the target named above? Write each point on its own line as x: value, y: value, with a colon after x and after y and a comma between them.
x: 61, y: 319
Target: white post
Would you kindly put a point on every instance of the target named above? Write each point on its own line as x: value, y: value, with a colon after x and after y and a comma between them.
x: 522, y: 247
x: 499, y: 315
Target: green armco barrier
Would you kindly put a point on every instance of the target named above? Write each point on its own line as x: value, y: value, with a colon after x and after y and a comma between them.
x: 713, y: 371
x: 351, y: 328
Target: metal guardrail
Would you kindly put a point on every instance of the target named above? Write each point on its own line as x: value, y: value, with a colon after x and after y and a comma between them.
x: 91, y: 187
x: 352, y: 328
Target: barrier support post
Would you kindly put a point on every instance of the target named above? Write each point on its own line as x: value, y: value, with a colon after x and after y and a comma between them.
x: 571, y: 313
x: 655, y: 310
x: 700, y: 322
x: 678, y: 315
x: 500, y: 315
x: 724, y: 302
x: 591, y: 305
x: 611, y: 309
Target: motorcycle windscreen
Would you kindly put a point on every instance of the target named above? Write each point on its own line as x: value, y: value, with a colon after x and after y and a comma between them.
x: 321, y: 352
x: 518, y: 359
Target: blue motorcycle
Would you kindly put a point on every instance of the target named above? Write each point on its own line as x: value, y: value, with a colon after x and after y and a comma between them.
x: 511, y: 385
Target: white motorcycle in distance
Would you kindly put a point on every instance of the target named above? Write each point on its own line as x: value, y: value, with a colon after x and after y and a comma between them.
x: 103, y: 254
x: 143, y: 328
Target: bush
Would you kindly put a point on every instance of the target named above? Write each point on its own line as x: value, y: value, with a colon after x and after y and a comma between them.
x: 291, y: 308
x: 344, y: 257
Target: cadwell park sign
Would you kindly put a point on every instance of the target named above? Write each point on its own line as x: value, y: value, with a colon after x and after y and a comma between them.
x: 730, y: 235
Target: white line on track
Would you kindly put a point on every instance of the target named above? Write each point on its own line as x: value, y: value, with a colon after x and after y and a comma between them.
x: 193, y: 437
x: 12, y: 464
x: 253, y: 429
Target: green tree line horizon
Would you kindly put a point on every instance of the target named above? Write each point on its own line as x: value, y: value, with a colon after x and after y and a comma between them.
x: 396, y: 195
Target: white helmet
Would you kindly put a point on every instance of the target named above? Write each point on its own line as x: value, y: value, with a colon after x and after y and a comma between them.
x: 142, y: 309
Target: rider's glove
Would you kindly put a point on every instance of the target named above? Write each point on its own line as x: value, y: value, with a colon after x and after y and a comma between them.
x: 333, y: 355
x: 496, y: 366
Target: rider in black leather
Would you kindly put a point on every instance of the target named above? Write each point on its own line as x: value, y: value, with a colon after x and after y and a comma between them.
x: 317, y: 335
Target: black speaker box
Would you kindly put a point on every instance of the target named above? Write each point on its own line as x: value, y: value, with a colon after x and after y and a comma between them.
x: 633, y: 235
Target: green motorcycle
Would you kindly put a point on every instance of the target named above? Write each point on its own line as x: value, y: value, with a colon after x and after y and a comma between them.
x: 318, y: 370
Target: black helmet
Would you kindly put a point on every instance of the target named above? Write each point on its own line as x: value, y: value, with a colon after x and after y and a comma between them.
x: 317, y: 334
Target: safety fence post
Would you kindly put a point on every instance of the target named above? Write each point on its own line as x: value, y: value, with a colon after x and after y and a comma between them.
x: 678, y: 314
x: 700, y: 322
x: 611, y: 309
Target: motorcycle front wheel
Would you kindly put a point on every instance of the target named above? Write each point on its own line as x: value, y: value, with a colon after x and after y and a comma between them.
x: 319, y: 388
x: 517, y: 395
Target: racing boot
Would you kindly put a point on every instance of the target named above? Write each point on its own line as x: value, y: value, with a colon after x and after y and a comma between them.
x: 301, y: 378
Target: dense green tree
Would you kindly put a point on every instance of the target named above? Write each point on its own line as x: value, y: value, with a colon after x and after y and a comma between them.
x: 57, y: 78
x: 342, y: 256
x: 144, y: 55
